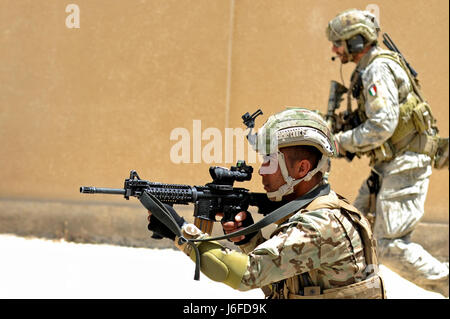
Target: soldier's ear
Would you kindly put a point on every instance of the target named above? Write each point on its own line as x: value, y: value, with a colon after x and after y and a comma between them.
x: 301, y: 168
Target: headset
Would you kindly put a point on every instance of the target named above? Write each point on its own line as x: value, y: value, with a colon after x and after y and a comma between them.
x: 356, y: 44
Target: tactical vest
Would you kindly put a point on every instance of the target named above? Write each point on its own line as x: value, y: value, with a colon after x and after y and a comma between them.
x: 416, y: 130
x: 304, y: 286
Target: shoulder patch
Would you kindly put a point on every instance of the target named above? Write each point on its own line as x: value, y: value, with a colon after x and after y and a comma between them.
x: 373, y: 90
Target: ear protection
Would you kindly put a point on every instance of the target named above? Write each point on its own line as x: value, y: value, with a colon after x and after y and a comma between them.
x: 356, y: 44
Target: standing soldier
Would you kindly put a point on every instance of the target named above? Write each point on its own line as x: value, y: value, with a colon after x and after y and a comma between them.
x: 322, y: 249
x: 395, y: 128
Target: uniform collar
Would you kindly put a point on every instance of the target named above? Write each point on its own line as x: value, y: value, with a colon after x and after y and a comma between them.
x: 362, y: 64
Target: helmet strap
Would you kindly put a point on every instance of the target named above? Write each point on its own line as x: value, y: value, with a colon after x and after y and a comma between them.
x: 288, y: 188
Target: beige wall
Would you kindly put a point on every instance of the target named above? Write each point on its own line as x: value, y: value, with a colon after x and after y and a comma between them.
x: 84, y: 106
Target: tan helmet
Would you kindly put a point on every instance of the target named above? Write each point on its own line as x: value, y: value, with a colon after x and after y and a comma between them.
x: 352, y: 22
x: 291, y: 127
x: 295, y: 126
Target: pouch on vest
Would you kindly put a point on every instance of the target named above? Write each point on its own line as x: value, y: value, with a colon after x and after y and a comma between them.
x: 422, y: 117
x: 424, y: 144
x: 385, y: 152
x: 416, y: 129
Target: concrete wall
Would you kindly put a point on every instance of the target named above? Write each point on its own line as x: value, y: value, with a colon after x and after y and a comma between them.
x: 84, y: 106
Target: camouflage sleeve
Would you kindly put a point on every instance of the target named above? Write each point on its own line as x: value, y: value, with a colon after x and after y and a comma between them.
x: 381, y: 93
x: 255, y: 241
x: 309, y: 240
x: 295, y: 248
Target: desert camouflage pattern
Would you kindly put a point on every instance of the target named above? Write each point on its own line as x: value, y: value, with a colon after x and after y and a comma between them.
x: 399, y: 208
x: 401, y: 199
x: 382, y: 110
x: 321, y: 241
x: 295, y: 126
x: 351, y: 22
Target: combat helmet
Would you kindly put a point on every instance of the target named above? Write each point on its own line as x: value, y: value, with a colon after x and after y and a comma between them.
x: 352, y: 22
x: 292, y: 127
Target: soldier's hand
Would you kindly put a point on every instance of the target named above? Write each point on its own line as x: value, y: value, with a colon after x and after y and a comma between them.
x: 331, y: 123
x: 233, y: 226
x: 341, y: 150
x: 241, y: 220
x: 159, y: 229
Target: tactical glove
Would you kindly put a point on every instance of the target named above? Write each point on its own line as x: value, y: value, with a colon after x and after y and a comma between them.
x: 159, y: 229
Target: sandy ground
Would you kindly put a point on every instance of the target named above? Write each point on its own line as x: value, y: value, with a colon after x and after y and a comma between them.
x: 38, y: 268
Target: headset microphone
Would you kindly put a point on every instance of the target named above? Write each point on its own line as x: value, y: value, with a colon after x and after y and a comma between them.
x: 334, y: 57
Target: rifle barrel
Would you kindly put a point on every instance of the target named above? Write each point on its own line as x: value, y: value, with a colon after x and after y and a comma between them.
x: 101, y: 190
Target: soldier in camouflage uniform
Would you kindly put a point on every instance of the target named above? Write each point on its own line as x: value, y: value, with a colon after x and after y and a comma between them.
x: 323, y: 250
x: 398, y: 133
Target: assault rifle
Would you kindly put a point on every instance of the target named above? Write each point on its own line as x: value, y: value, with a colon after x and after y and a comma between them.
x: 337, y: 90
x: 343, y: 121
x: 219, y: 196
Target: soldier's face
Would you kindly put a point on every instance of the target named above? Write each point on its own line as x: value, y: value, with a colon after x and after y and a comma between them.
x: 339, y: 50
x: 270, y: 172
x: 272, y: 178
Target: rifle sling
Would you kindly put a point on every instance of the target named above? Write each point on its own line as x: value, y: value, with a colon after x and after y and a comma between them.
x: 153, y: 204
x: 277, y: 214
x: 157, y: 208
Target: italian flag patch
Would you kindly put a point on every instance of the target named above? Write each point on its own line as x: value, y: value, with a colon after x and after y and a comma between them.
x: 373, y: 90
